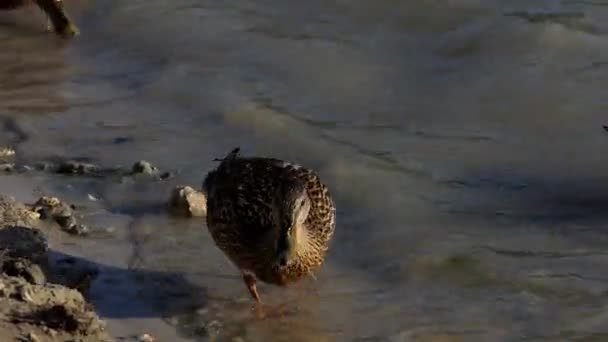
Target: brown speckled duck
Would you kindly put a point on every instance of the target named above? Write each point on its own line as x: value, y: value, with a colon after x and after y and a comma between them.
x: 273, y: 219
x: 61, y: 24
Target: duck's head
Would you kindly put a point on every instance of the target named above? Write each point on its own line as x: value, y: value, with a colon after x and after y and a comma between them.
x: 291, y: 208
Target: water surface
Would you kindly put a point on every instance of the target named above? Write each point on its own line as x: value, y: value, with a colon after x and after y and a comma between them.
x: 462, y: 142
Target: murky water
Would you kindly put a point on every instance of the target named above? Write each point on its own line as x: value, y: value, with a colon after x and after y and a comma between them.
x: 461, y: 139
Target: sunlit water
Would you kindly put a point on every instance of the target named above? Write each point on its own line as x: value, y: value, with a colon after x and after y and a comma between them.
x: 462, y: 142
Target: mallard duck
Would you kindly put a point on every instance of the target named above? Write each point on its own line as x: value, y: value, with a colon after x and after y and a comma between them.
x: 58, y: 19
x: 273, y: 219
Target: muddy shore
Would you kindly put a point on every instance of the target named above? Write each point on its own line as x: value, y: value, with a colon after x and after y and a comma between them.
x: 38, y: 302
x: 44, y: 291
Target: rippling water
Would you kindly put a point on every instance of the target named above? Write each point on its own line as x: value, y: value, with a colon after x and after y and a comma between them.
x: 462, y: 140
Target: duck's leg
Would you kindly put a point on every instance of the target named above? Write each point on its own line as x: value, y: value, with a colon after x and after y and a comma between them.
x: 259, y: 307
x: 60, y: 22
x: 251, y: 286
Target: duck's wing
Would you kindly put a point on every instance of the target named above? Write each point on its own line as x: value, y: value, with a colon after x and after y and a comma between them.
x: 240, y: 196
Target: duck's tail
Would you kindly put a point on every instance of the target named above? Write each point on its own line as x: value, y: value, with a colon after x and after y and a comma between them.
x: 212, y: 175
x: 232, y: 155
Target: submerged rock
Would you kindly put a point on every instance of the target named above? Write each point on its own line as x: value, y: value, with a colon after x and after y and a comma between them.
x: 75, y: 167
x: 144, y: 167
x: 186, y: 201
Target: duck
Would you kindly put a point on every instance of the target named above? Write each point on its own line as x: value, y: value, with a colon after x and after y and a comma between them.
x: 58, y: 19
x: 273, y: 219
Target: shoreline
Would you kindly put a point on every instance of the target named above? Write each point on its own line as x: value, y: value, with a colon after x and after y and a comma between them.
x: 75, y: 275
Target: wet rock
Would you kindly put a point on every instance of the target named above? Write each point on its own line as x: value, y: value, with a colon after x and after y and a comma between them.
x: 144, y: 167
x: 75, y: 167
x: 63, y: 214
x: 186, y: 201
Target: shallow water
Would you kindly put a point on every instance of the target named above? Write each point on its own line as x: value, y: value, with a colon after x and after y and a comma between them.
x: 462, y: 142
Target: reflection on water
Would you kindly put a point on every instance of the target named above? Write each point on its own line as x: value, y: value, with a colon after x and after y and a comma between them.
x: 463, y: 143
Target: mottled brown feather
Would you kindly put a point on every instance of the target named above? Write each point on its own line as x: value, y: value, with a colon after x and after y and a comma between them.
x: 239, y: 215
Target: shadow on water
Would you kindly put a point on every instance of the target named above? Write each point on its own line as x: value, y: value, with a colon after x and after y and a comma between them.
x: 134, y: 293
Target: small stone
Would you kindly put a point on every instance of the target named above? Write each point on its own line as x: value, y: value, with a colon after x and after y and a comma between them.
x: 144, y: 167
x: 145, y: 338
x: 186, y: 201
x: 92, y: 198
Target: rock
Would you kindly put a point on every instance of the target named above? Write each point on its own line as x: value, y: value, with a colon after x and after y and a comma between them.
x: 23, y: 268
x: 144, y: 167
x: 13, y: 213
x: 6, y: 152
x: 7, y: 167
x: 32, y: 308
x: 75, y: 167
x: 186, y: 201
x: 61, y: 213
